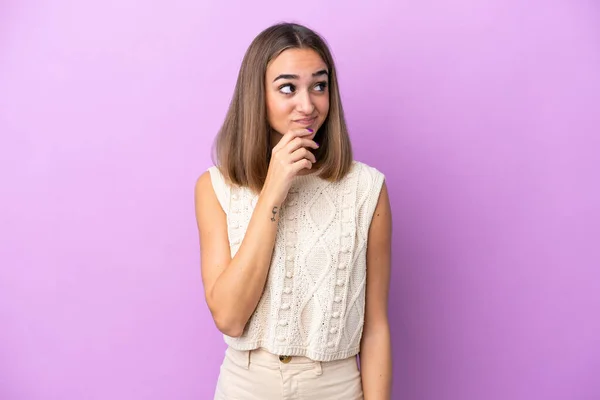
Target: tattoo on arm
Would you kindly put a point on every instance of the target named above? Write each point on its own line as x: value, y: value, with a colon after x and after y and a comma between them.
x: 274, y: 213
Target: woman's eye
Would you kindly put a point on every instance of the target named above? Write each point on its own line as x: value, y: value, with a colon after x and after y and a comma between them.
x: 321, y: 86
x: 287, y: 89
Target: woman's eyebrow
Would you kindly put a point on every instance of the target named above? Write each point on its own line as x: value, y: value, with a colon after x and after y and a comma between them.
x: 291, y: 76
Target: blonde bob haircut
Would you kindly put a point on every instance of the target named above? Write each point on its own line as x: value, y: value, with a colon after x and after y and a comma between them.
x: 242, y: 146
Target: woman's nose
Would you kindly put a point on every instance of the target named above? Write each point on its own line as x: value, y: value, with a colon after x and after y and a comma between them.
x: 305, y: 103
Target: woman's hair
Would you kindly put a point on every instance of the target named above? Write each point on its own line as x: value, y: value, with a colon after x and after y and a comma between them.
x: 242, y: 145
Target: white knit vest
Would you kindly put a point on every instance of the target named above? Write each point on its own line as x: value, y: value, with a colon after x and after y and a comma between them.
x: 313, y: 304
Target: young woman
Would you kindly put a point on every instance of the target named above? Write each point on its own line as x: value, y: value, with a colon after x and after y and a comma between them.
x: 294, y: 234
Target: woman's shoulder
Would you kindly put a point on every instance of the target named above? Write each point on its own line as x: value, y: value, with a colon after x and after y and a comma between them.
x: 212, y: 182
x: 366, y: 171
x: 211, y: 176
x: 218, y: 177
x: 368, y: 182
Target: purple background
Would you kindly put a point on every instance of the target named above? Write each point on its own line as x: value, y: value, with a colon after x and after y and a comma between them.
x: 484, y: 116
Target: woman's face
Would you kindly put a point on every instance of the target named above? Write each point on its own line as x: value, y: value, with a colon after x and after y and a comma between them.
x: 297, y: 92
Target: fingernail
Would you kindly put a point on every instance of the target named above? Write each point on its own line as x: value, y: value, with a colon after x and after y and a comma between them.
x: 310, y: 130
x: 318, y: 145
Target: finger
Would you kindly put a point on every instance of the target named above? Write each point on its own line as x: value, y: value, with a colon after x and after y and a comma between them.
x: 297, y: 143
x: 291, y: 135
x: 303, y: 153
x: 310, y: 143
x: 293, y: 145
x: 302, y: 164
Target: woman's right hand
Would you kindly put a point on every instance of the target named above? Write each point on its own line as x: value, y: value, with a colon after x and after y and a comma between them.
x: 290, y: 156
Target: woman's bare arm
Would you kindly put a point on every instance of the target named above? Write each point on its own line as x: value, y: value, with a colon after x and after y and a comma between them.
x: 376, y: 351
x: 233, y: 287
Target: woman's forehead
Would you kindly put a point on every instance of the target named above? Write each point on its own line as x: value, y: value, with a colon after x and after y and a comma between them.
x: 300, y: 62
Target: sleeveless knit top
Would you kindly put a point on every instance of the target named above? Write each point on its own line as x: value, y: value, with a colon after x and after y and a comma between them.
x: 313, y: 304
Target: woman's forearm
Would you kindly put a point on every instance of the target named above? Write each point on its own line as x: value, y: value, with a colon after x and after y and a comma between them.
x: 376, y: 364
x: 236, y: 293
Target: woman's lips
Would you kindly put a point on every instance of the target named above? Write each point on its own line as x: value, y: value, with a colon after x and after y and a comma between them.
x: 305, y: 121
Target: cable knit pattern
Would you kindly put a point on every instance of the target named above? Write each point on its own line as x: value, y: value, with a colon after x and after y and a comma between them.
x: 314, y: 300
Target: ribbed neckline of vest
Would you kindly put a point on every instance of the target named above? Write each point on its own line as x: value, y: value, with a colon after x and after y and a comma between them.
x: 300, y: 180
